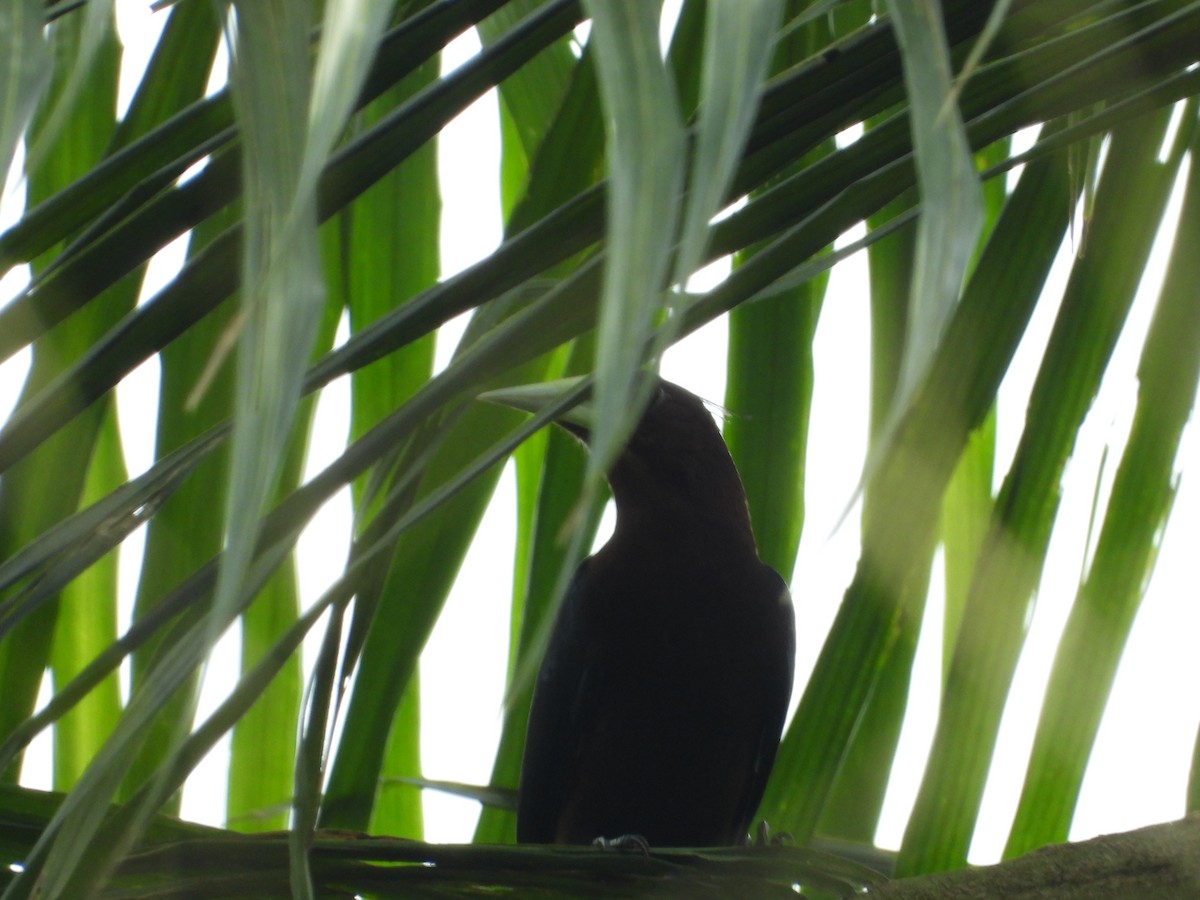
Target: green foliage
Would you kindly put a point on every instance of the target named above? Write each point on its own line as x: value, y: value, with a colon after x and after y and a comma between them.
x: 319, y: 199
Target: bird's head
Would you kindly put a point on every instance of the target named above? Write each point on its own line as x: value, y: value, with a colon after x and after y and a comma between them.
x: 675, y: 461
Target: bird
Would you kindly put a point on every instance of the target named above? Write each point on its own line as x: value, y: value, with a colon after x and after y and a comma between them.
x: 659, y: 703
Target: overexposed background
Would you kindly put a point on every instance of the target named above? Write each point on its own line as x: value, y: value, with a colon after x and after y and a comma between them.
x: 1139, y: 769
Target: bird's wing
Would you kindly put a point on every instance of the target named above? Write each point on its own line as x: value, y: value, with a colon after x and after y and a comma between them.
x: 562, y: 698
x: 777, y: 691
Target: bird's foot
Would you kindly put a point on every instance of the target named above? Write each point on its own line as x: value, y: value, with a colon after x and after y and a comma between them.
x: 764, y: 838
x: 624, y: 842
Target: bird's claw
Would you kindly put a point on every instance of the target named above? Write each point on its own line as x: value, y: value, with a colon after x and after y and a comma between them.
x: 764, y: 838
x: 624, y: 842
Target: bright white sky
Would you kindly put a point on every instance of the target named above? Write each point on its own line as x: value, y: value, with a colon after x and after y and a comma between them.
x: 1139, y: 769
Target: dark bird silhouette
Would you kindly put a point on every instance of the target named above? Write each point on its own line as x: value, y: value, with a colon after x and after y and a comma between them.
x: 659, y: 703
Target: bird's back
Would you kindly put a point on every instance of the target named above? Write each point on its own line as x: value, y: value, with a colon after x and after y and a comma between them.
x: 660, y: 710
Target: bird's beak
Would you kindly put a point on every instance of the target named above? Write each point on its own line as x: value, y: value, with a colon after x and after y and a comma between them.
x: 534, y: 398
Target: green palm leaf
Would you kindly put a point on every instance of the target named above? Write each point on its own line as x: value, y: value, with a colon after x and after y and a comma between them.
x: 625, y: 168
